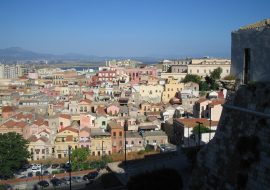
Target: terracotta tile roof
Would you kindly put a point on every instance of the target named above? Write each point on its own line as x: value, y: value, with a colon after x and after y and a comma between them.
x: 100, y: 110
x: 66, y: 116
x: 69, y: 129
x: 11, y: 123
x: 201, y: 100
x: 85, y: 101
x: 192, y: 122
x: 91, y: 93
x: 23, y: 116
x: 44, y: 131
x: 8, y: 109
x: 44, y: 139
x: 39, y: 121
x: 217, y: 102
x: 86, y: 129
x: 32, y: 138
x: 114, y: 125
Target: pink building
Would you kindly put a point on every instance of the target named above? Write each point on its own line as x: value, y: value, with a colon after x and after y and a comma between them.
x: 84, y: 140
x: 64, y: 121
x: 106, y: 75
x: 87, y: 120
x: 36, y: 127
x: 8, y: 111
x: 135, y: 74
x: 113, y: 109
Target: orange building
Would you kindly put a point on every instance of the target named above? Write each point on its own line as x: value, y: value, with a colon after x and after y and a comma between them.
x: 117, y: 136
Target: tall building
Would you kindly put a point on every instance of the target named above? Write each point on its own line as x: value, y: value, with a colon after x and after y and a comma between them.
x: 2, y: 71
x: 250, y: 52
x: 11, y: 71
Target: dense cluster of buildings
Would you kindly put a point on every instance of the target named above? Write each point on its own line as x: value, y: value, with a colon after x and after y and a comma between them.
x: 146, y: 104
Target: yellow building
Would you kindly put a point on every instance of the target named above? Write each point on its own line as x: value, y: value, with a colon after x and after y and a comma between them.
x: 203, y: 67
x: 151, y: 93
x: 171, y: 89
x: 65, y: 137
x: 40, y: 148
x: 101, y: 143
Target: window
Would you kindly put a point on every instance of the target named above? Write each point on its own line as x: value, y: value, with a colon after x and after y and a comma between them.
x: 197, y: 70
x: 120, y: 143
x: 114, y: 134
x: 132, y: 142
x: 120, y: 133
x: 140, y: 142
x: 246, y: 65
x: 103, y: 123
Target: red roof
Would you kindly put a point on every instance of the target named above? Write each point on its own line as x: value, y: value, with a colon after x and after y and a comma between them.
x: 23, y: 116
x: 39, y: 121
x: 8, y: 109
x: 66, y: 116
x: 217, y: 102
x: 201, y: 100
x: 85, y: 101
x: 101, y: 111
x: 11, y: 123
x: 192, y: 122
x: 69, y: 129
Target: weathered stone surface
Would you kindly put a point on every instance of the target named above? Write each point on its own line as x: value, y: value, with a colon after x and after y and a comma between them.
x: 238, y: 157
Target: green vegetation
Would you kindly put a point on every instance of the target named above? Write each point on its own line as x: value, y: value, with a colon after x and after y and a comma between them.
x: 192, y: 78
x: 158, y: 179
x: 204, y: 86
x: 13, y: 153
x: 215, y: 74
x: 229, y: 77
x: 78, y: 157
x: 202, y: 129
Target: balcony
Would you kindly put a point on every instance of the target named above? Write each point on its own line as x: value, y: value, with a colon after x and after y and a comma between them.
x: 100, y: 148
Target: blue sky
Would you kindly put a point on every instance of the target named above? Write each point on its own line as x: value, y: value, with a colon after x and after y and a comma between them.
x: 158, y: 28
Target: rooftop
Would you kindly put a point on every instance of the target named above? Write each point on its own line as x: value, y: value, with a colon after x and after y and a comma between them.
x: 259, y: 24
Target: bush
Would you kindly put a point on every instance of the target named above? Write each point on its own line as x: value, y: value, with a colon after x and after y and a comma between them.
x: 229, y: 77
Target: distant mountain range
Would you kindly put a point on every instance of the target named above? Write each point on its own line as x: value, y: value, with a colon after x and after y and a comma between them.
x: 17, y: 53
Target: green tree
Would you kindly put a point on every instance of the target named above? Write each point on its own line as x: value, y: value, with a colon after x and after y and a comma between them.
x: 216, y: 73
x: 202, y: 129
x: 229, y: 77
x: 204, y: 86
x: 13, y: 153
x: 78, y: 157
x: 192, y: 78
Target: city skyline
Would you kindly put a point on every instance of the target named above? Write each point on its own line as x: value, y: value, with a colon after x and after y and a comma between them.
x: 126, y: 28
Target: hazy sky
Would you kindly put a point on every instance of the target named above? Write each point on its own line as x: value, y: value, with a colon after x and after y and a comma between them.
x: 163, y: 28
